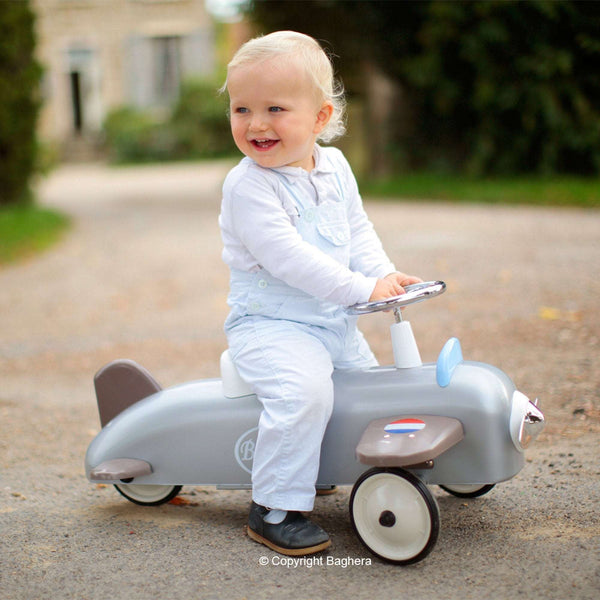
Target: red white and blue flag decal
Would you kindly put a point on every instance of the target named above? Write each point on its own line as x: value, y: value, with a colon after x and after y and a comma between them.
x: 405, y: 426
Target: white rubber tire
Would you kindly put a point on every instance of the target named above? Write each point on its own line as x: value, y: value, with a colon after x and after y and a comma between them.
x: 148, y: 495
x: 467, y: 491
x: 394, y: 515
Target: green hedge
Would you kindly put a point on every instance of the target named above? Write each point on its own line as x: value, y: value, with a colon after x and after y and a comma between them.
x: 19, y: 102
x: 198, y: 127
x: 504, y: 87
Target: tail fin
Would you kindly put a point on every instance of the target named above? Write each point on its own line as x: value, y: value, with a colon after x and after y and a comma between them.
x: 120, y: 384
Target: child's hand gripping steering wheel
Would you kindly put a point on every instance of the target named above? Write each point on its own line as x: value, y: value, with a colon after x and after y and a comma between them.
x: 414, y: 293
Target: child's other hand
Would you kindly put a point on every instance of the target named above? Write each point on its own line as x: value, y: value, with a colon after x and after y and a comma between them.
x: 391, y: 285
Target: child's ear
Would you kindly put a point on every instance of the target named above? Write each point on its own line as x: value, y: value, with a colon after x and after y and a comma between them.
x: 323, y: 117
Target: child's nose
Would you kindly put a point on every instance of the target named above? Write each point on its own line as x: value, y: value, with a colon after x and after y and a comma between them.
x: 257, y: 123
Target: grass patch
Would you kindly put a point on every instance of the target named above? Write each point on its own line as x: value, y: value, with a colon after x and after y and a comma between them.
x: 26, y: 230
x: 541, y: 191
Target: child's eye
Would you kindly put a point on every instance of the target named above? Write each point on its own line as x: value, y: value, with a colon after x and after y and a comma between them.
x: 275, y: 109
x: 241, y: 110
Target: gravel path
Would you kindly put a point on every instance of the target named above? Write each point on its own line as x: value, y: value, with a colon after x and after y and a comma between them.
x: 139, y: 275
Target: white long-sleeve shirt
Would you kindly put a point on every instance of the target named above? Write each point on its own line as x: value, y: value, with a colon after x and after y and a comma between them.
x: 257, y: 220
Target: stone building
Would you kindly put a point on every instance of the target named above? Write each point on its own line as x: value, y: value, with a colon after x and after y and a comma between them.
x: 100, y: 54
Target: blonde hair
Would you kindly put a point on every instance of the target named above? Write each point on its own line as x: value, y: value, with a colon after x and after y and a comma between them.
x: 314, y: 59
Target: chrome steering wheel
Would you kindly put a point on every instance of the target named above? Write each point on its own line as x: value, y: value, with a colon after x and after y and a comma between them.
x: 417, y: 292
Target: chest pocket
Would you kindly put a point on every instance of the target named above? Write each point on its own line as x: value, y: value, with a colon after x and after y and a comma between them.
x: 332, y: 223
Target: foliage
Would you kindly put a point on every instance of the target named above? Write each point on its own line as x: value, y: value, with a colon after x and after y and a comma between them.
x: 499, y: 86
x: 27, y: 229
x: 133, y: 135
x: 198, y: 127
x: 19, y: 102
x: 511, y: 84
x: 200, y: 120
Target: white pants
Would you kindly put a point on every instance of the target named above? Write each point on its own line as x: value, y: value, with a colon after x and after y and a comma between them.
x: 289, y: 367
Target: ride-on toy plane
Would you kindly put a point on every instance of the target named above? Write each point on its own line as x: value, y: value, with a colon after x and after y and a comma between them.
x: 394, y: 430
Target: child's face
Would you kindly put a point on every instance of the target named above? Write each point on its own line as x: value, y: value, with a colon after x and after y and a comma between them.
x: 275, y: 115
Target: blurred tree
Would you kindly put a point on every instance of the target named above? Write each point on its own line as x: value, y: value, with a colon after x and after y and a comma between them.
x: 200, y: 120
x: 482, y: 87
x: 19, y: 101
x: 198, y: 127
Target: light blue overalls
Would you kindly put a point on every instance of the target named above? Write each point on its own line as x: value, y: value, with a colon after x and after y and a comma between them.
x: 285, y: 344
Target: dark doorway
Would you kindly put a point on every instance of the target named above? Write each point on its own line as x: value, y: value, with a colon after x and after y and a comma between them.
x: 76, y: 101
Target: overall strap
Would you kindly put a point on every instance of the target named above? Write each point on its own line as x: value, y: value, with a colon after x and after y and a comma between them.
x: 290, y: 188
x: 300, y: 205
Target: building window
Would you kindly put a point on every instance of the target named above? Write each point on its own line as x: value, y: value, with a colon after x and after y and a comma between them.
x: 167, y: 69
x: 156, y: 65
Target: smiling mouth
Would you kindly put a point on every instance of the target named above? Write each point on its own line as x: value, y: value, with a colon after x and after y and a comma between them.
x: 265, y: 144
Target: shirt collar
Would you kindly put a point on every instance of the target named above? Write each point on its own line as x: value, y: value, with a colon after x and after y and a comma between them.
x: 322, y: 165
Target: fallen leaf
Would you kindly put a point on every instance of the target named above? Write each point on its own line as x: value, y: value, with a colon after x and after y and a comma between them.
x: 179, y: 501
x: 548, y: 313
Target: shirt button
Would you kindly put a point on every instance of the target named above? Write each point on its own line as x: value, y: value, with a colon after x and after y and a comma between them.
x: 254, y: 306
x: 262, y: 284
x: 309, y: 215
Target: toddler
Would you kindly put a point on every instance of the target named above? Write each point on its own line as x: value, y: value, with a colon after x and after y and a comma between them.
x: 300, y: 248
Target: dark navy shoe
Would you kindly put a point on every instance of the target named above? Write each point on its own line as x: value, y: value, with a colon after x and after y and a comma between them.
x: 327, y: 490
x: 294, y: 536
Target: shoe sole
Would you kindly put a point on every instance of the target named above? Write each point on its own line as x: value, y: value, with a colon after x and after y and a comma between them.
x: 327, y: 491
x: 287, y: 551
